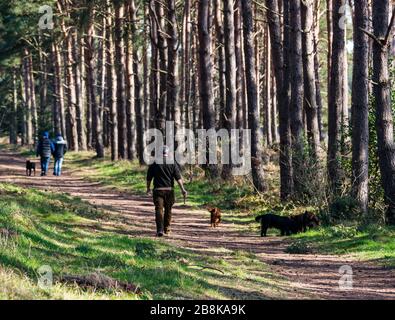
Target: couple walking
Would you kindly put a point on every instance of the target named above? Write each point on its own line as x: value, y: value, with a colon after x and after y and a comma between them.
x: 46, y: 147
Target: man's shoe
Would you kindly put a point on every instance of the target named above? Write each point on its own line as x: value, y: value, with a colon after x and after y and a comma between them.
x: 159, y: 234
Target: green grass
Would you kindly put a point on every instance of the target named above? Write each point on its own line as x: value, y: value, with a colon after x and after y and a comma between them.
x: 372, y: 242
x: 72, y: 237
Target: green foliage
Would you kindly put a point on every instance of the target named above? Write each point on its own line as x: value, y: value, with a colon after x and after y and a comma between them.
x: 367, y: 242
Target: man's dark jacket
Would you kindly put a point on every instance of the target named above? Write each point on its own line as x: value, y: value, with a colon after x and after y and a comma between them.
x: 163, y: 175
x: 45, y: 148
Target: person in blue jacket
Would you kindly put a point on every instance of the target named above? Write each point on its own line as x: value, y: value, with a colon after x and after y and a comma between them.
x: 45, y: 148
x: 58, y: 154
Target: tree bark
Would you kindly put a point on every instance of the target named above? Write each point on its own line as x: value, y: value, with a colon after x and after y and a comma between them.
x: 120, y: 72
x: 281, y: 68
x: 205, y: 75
x: 252, y: 98
x: 137, y: 86
x: 219, y: 28
x: 162, y: 46
x: 296, y: 112
x: 173, y: 82
x: 14, y: 111
x: 310, y: 90
x: 335, y: 100
x: 383, y: 105
x: 360, y: 107
x: 231, y: 90
x: 80, y: 110
x: 97, y: 125
x: 130, y: 85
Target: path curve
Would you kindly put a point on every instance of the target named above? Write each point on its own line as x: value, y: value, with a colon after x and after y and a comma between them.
x: 310, y: 276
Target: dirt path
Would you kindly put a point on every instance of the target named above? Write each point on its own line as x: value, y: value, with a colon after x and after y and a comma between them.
x: 310, y: 276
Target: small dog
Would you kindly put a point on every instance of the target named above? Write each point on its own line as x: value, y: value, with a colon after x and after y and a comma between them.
x: 30, y: 167
x: 286, y: 225
x: 215, y: 217
x: 306, y: 220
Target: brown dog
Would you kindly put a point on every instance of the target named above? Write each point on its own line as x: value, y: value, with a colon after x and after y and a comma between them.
x: 215, y: 216
x: 306, y: 220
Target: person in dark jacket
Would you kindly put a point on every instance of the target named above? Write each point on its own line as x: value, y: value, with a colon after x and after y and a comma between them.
x: 163, y: 195
x: 45, y: 148
x: 58, y: 154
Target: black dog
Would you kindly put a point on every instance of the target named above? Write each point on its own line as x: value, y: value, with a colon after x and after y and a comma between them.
x: 30, y: 167
x: 286, y: 225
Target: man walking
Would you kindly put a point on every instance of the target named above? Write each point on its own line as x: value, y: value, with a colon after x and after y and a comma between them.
x: 45, y: 148
x: 163, y: 195
x: 58, y: 154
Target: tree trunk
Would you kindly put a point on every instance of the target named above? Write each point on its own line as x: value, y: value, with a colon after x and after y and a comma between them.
x: 137, y: 86
x: 231, y: 90
x: 219, y: 28
x: 173, y: 82
x: 154, y: 72
x: 281, y: 68
x: 317, y: 71
x: 205, y: 75
x: 360, y: 107
x: 14, y: 111
x: 120, y: 71
x: 97, y: 125
x: 162, y: 43
x: 130, y: 89
x: 268, y: 87
x: 335, y: 100
x: 296, y: 112
x: 383, y: 105
x: 59, y: 117
x: 186, y: 64
x: 28, y: 100
x: 33, y: 103
x: 252, y: 98
x: 112, y: 86
x: 240, y: 104
x: 79, y: 93
x: 310, y: 94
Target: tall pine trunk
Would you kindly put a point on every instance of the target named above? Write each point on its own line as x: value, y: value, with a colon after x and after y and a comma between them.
x: 281, y: 67
x: 112, y: 85
x: 120, y: 72
x: 383, y: 105
x: 97, y: 125
x: 335, y: 100
x: 205, y: 75
x: 360, y: 107
x: 310, y: 90
x: 252, y: 98
x: 296, y: 112
x: 231, y: 89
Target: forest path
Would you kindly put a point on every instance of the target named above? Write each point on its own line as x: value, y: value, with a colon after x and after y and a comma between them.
x: 309, y: 276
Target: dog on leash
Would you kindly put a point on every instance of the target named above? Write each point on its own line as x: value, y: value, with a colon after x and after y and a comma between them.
x: 215, y: 217
x: 286, y: 225
x: 30, y: 168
